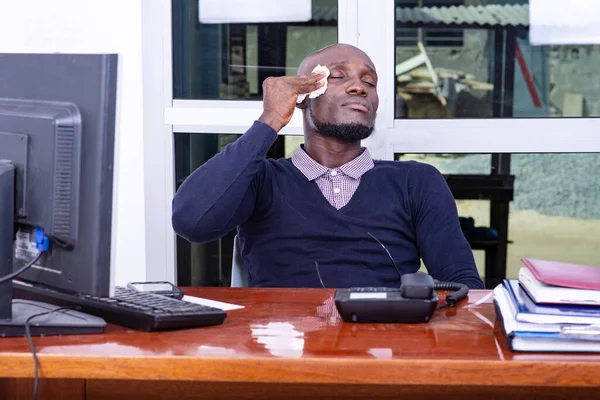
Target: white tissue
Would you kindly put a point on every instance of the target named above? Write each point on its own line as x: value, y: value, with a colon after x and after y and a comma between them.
x: 321, y: 90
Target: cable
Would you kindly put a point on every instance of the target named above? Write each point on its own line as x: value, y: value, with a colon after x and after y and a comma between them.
x: 388, y: 253
x: 32, y: 347
x: 21, y: 270
x: 459, y: 291
x: 319, y: 273
x: 42, y: 244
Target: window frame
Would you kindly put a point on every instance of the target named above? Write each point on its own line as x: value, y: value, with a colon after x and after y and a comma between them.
x: 158, y: 152
x: 464, y: 135
x: 497, y: 135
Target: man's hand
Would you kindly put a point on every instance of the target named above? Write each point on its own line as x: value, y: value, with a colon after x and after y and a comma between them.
x: 280, y: 94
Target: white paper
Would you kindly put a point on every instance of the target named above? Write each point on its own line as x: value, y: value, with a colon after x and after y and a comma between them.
x: 319, y: 91
x: 255, y: 11
x: 211, y: 303
x: 560, y: 22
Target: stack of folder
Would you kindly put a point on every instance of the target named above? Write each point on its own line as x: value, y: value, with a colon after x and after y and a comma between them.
x: 552, y: 307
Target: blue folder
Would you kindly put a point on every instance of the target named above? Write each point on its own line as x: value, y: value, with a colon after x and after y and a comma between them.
x: 529, y: 311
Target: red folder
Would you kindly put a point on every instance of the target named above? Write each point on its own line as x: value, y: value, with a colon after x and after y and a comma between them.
x: 558, y: 273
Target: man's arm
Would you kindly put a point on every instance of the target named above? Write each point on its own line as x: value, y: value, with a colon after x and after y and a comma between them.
x: 221, y: 193
x: 440, y: 240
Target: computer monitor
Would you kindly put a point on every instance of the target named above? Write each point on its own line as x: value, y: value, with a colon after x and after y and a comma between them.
x: 57, y: 134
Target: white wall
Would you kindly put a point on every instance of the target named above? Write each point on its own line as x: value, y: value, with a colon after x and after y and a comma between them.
x: 107, y: 26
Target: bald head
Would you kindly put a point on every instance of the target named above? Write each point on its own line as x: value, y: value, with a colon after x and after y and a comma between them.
x: 346, y: 111
x: 338, y: 53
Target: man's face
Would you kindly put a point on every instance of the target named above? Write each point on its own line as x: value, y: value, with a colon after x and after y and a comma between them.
x: 350, y: 102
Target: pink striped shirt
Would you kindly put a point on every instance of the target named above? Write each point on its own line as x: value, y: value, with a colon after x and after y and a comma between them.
x: 337, y: 184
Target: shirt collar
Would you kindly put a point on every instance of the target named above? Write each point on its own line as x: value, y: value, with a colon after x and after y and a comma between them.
x: 312, y: 169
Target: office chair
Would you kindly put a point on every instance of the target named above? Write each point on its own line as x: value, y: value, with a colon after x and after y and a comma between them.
x: 239, y: 274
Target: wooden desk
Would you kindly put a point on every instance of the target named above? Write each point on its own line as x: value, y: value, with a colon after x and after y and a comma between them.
x: 291, y: 344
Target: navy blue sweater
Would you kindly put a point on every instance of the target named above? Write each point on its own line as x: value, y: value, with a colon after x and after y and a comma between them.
x: 285, y: 223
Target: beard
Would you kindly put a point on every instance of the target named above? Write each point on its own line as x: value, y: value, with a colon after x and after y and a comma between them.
x: 347, y: 133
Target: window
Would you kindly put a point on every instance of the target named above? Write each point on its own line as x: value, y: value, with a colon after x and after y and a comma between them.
x: 467, y: 71
x: 495, y: 73
x: 431, y: 37
x: 230, y: 61
x: 554, y: 213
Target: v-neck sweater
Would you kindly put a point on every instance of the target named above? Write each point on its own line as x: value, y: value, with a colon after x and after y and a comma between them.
x: 285, y: 224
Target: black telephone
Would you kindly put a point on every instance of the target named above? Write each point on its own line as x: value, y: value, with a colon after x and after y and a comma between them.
x: 415, y: 301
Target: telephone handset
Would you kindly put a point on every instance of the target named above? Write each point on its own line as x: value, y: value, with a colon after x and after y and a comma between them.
x: 415, y: 301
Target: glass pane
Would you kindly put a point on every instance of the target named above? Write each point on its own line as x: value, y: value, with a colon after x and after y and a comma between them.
x: 554, y: 214
x: 230, y: 61
x: 450, y: 66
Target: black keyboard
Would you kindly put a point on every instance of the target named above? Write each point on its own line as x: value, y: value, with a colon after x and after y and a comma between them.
x: 141, y: 311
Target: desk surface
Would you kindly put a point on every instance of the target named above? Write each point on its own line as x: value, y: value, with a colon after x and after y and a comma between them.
x: 297, y: 336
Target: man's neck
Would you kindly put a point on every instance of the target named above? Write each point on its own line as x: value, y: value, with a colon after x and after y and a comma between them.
x: 330, y: 152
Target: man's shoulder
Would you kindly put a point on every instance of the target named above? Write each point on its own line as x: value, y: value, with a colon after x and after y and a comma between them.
x: 412, y: 176
x: 405, y: 167
x: 280, y: 164
x: 278, y: 169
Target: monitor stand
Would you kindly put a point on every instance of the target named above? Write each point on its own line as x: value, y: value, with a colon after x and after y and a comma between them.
x: 15, y: 313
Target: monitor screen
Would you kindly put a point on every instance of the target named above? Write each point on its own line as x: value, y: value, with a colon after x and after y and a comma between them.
x: 57, y: 128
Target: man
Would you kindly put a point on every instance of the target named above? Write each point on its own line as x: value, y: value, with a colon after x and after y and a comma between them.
x: 330, y: 203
